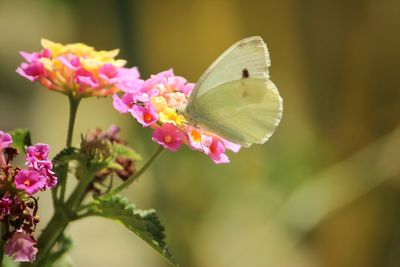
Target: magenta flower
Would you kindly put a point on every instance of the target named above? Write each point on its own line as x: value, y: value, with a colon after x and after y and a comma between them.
x: 217, y: 151
x: 77, y: 70
x: 32, y: 71
x: 37, y: 154
x: 84, y: 79
x: 124, y: 104
x: 21, y: 247
x: 108, y: 71
x: 158, y: 101
x: 129, y: 79
x: 37, y: 160
x: 5, y: 141
x: 145, y: 114
x: 196, y: 140
x: 51, y: 178
x: 5, y: 203
x: 30, y: 181
x: 33, y: 68
x: 169, y: 136
x: 231, y: 146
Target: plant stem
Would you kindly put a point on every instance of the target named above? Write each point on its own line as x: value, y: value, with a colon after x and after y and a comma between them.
x: 61, y: 218
x: 64, y: 214
x: 50, y: 234
x: 73, y: 108
x: 2, y: 231
x: 138, y: 173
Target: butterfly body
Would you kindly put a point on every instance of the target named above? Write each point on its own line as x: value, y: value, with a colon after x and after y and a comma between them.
x: 234, y: 98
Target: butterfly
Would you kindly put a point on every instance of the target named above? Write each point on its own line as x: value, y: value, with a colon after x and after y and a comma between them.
x: 234, y: 98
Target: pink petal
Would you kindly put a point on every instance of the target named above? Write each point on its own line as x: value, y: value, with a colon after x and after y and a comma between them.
x: 169, y: 136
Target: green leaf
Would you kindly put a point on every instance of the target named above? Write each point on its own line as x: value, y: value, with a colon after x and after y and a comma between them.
x: 143, y: 223
x: 61, y: 160
x: 65, y: 155
x: 8, y: 262
x: 120, y: 150
x: 21, y: 138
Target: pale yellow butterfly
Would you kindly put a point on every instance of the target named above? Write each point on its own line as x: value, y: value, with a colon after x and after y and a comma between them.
x: 234, y: 98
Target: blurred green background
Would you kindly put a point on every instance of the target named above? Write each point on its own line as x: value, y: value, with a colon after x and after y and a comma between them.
x: 324, y: 191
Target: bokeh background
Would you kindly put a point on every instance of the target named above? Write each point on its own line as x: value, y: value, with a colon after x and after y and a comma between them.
x: 323, y: 191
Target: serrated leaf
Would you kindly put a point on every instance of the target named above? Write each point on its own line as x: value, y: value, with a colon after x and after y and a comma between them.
x: 21, y: 138
x: 120, y: 150
x: 144, y: 223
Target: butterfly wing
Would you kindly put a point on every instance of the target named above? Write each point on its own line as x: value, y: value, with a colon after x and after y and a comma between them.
x: 249, y: 55
x: 234, y: 98
x: 244, y: 112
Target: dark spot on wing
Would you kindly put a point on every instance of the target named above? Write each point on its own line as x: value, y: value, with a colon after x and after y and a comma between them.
x: 245, y: 73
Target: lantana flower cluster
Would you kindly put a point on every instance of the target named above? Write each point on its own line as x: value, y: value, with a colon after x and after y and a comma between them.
x: 18, y: 206
x: 75, y: 69
x: 80, y: 71
x: 156, y: 103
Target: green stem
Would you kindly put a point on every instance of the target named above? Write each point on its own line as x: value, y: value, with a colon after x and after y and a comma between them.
x: 62, y: 213
x: 61, y: 218
x: 2, y: 231
x: 138, y: 173
x: 50, y: 234
x: 73, y: 108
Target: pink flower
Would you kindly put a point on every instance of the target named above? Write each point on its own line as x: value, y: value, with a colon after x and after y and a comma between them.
x: 169, y: 136
x: 5, y: 203
x: 217, y: 151
x: 129, y: 80
x: 30, y: 181
x: 231, y: 146
x: 21, y: 247
x: 29, y: 57
x: 76, y: 69
x: 108, y: 71
x: 71, y: 62
x: 145, y: 114
x: 32, y: 71
x: 197, y: 140
x: 124, y: 104
x: 37, y: 154
x: 37, y: 159
x: 5, y: 141
x: 85, y: 78
x: 159, y: 78
x: 158, y: 102
x: 51, y: 179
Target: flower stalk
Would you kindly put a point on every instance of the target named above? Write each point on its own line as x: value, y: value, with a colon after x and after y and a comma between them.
x: 73, y: 109
x: 138, y: 173
x: 2, y: 232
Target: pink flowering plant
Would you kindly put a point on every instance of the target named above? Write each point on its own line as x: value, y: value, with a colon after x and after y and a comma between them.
x: 103, y: 164
x: 156, y: 103
x: 18, y: 187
